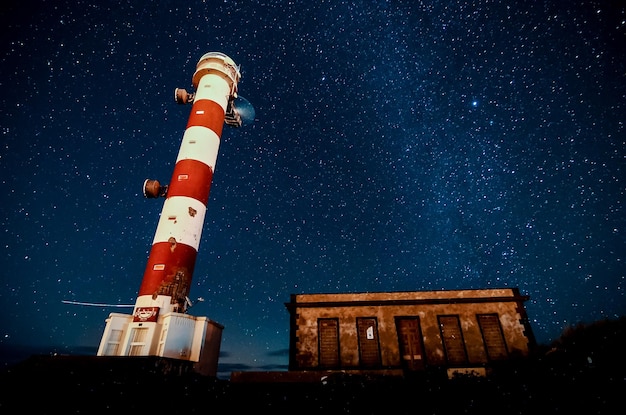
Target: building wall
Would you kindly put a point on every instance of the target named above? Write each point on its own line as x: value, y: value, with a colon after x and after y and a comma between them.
x: 503, y: 307
x: 174, y: 336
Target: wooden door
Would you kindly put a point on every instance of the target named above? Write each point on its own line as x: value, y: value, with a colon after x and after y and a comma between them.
x: 410, y: 343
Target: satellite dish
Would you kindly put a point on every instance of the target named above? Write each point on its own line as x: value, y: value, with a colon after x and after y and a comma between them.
x: 245, y: 110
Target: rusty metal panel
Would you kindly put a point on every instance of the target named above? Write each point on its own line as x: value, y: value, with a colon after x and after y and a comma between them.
x: 369, y: 347
x: 493, y: 337
x: 452, y: 337
x: 328, y: 335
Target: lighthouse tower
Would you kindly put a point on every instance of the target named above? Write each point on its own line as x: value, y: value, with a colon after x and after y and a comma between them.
x: 160, y: 325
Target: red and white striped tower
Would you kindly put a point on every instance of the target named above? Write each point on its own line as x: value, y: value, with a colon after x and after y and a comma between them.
x: 159, y: 325
x: 167, y: 277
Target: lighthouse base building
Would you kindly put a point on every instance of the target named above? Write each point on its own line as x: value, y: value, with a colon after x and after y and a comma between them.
x: 173, y: 335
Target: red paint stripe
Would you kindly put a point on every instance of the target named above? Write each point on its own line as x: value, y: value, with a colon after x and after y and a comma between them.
x: 191, y: 178
x: 207, y: 113
x: 175, y: 278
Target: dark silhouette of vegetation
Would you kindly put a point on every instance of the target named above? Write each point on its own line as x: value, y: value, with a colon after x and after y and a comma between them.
x: 584, y: 370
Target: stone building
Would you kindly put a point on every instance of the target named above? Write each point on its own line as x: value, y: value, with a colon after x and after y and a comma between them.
x: 459, y: 331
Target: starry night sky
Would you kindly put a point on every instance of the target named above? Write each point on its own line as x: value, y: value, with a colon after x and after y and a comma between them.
x: 397, y: 146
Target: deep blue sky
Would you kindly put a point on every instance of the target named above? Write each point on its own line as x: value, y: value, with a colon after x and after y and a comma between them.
x: 398, y: 145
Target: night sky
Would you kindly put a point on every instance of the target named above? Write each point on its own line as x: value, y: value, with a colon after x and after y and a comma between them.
x: 396, y: 146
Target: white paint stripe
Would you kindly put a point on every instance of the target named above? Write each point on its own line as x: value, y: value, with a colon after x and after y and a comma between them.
x: 199, y: 143
x: 215, y: 88
x: 185, y: 227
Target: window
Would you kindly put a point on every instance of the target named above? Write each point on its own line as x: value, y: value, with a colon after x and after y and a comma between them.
x: 138, y: 341
x: 328, y: 338
x: 113, y: 343
x: 452, y: 337
x: 161, y: 346
x: 369, y: 347
x: 493, y: 337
